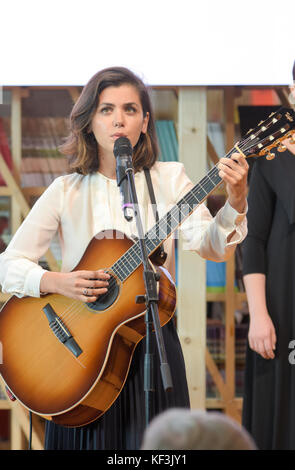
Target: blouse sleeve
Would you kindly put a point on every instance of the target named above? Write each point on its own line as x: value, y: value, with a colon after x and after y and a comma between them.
x: 208, y: 235
x: 261, y: 202
x: 20, y: 273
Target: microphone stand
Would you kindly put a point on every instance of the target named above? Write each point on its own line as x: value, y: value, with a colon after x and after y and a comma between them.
x: 152, y: 312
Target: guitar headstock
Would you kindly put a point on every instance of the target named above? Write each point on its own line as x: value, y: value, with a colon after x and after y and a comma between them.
x: 269, y: 133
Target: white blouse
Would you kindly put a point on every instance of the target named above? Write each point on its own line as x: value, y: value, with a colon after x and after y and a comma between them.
x: 78, y: 207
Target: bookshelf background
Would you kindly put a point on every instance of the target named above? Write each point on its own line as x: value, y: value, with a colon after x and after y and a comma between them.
x: 33, y: 122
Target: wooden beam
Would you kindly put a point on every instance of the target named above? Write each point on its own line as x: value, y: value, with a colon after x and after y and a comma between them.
x: 17, y: 438
x: 14, y: 187
x: 191, y: 319
x: 16, y: 130
x: 217, y: 377
x: 74, y: 93
x: 4, y: 404
x: 229, y: 403
x: 229, y: 96
x: 16, y: 150
x: 20, y: 424
x: 4, y: 297
x: 211, y: 151
x: 28, y: 191
x: 215, y: 403
x: 284, y: 96
x: 33, y: 191
x: 5, y: 191
x: 220, y: 297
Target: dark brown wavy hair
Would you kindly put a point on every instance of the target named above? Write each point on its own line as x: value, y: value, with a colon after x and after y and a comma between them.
x: 294, y: 70
x: 81, y: 147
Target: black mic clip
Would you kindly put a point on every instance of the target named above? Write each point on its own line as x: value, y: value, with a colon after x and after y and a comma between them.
x: 123, y: 153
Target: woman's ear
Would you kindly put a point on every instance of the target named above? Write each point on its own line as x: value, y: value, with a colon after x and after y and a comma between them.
x: 292, y: 93
x: 145, y: 123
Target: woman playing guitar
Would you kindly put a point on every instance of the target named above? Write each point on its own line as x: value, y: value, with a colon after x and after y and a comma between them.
x: 114, y: 103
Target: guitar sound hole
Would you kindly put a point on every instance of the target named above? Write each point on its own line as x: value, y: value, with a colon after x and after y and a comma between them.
x: 106, y: 300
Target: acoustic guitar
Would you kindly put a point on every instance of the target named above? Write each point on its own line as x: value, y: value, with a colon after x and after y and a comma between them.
x: 67, y: 360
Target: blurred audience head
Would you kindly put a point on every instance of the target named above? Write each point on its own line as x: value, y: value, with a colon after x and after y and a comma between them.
x: 183, y: 429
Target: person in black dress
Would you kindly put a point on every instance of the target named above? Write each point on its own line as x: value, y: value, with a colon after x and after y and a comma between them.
x: 269, y: 277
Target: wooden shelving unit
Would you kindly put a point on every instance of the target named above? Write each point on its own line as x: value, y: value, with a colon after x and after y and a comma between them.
x: 179, y: 104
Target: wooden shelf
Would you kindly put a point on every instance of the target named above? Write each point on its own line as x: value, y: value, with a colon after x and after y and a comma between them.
x: 216, y: 403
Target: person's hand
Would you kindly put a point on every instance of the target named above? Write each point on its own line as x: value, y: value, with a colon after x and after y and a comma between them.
x: 234, y: 173
x: 262, y: 335
x: 79, y: 285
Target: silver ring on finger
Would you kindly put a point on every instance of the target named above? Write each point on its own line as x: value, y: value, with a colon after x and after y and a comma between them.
x: 85, y: 292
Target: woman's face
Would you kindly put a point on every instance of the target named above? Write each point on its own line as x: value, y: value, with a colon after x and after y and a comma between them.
x: 119, y: 113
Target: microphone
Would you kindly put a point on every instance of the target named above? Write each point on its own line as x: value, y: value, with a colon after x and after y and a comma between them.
x: 123, y: 153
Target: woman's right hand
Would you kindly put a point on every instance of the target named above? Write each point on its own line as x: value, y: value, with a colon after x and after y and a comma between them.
x: 262, y: 335
x: 79, y: 285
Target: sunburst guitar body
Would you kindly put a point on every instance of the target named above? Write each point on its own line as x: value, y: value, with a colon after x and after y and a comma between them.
x: 67, y: 360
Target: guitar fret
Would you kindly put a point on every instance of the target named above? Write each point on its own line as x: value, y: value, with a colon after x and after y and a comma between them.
x: 137, y: 260
x: 123, y: 269
x: 211, y: 181
x: 117, y: 271
x: 152, y: 234
x: 202, y: 193
x: 150, y: 248
x: 126, y: 262
x: 175, y: 221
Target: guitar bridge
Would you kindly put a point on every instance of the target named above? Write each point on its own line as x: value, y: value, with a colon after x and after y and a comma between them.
x: 61, y: 332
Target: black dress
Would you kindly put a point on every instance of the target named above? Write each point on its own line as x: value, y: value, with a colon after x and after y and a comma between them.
x: 269, y: 393
x: 122, y: 426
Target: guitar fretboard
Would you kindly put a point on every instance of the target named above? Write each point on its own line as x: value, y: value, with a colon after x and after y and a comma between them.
x: 130, y: 261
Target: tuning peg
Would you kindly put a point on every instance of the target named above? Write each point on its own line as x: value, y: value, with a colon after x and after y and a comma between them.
x: 282, y: 148
x: 270, y: 156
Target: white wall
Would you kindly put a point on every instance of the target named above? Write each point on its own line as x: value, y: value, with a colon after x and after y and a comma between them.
x: 167, y: 42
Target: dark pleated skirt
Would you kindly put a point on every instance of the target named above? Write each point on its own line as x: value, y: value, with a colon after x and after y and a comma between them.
x: 123, y: 425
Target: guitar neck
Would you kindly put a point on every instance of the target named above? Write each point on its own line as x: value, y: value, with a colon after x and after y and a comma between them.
x: 168, y: 223
x: 259, y: 141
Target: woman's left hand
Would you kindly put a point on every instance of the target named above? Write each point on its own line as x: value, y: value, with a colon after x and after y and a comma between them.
x: 234, y: 173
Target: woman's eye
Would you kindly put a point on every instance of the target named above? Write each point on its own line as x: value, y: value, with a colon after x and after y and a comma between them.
x: 106, y: 110
x: 130, y: 109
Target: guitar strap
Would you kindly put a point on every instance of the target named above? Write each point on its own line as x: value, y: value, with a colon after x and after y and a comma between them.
x: 159, y: 256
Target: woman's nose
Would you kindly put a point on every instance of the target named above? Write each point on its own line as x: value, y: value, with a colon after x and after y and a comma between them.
x: 118, y: 119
